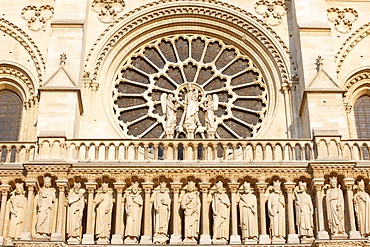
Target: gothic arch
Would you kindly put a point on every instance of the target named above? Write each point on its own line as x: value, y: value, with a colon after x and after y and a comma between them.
x: 23, y: 39
x: 163, y: 18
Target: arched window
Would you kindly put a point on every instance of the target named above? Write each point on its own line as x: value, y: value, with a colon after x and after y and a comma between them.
x: 362, y: 116
x: 10, y: 116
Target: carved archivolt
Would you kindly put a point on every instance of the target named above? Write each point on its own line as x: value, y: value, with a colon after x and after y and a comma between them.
x: 108, y: 9
x: 342, y: 18
x: 172, y: 66
x: 26, y: 41
x: 272, y: 11
x: 193, y: 8
x: 37, y: 17
x: 355, y: 38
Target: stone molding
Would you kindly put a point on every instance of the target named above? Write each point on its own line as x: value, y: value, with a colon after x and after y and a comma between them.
x: 203, y: 8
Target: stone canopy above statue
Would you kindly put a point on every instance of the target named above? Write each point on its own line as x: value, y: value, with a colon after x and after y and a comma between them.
x: 189, y: 86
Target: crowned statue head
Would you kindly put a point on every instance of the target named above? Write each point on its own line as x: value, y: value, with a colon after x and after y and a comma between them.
x: 135, y: 187
x: 333, y: 182
x: 77, y: 187
x: 104, y: 187
x: 276, y: 186
x: 191, y: 186
x: 162, y: 187
x: 47, y: 182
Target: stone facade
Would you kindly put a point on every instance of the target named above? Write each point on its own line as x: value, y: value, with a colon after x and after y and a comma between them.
x: 184, y: 122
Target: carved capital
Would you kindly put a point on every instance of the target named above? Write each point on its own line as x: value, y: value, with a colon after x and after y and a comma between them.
x: 119, y: 186
x: 261, y: 187
x: 147, y: 186
x: 175, y: 187
x: 4, y: 189
x: 91, y: 186
x: 317, y: 184
x: 62, y: 184
x: 289, y: 187
x: 204, y: 187
x: 233, y: 187
x: 349, y: 183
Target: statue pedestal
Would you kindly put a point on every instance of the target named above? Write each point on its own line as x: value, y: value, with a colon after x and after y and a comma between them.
x: 306, y: 240
x: 205, y: 239
x: 264, y: 239
x: 276, y: 240
x: 1, y: 240
x: 250, y: 241
x: 73, y: 241
x: 25, y: 236
x: 323, y: 235
x: 293, y: 239
x: 146, y: 239
x: 235, y: 239
x: 129, y: 240
x: 88, y: 239
x: 188, y: 241
x: 339, y: 236
x: 57, y: 236
x: 117, y: 239
x: 175, y: 239
x: 355, y: 235
x: 103, y: 241
x: 219, y: 241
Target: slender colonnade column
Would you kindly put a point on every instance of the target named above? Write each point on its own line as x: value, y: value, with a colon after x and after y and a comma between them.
x: 117, y: 237
x: 234, y: 238
x: 348, y: 183
x: 176, y: 235
x: 292, y: 236
x: 264, y: 238
x: 26, y: 234
x: 205, y: 237
x: 58, y: 235
x: 88, y: 237
x: 4, y: 188
x: 318, y: 184
x: 147, y: 238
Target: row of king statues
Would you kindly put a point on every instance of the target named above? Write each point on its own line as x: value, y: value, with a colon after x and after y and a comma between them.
x: 191, y: 205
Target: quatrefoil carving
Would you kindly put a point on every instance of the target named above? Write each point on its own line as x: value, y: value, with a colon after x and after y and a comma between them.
x: 37, y: 17
x: 108, y: 9
x: 342, y: 19
x: 271, y: 10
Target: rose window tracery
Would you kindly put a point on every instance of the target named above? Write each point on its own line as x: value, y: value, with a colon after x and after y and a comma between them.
x: 189, y: 86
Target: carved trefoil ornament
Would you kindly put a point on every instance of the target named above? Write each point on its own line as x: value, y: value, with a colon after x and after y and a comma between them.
x: 37, y: 17
x: 272, y: 11
x: 108, y: 9
x: 342, y: 19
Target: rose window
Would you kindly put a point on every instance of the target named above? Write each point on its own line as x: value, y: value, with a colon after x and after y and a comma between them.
x: 189, y: 86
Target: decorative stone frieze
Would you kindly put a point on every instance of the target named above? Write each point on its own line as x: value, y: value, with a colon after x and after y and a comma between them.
x: 37, y: 17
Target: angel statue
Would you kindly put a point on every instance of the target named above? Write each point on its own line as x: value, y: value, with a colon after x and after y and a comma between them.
x: 169, y: 108
x: 210, y: 106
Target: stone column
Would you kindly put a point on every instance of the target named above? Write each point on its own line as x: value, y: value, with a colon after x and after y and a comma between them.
x: 176, y: 235
x: 26, y: 234
x: 318, y: 184
x: 348, y: 183
x: 147, y: 238
x: 4, y: 188
x: 205, y: 237
x: 292, y: 236
x: 234, y: 238
x: 58, y: 235
x: 88, y: 237
x: 117, y: 237
x: 264, y: 238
